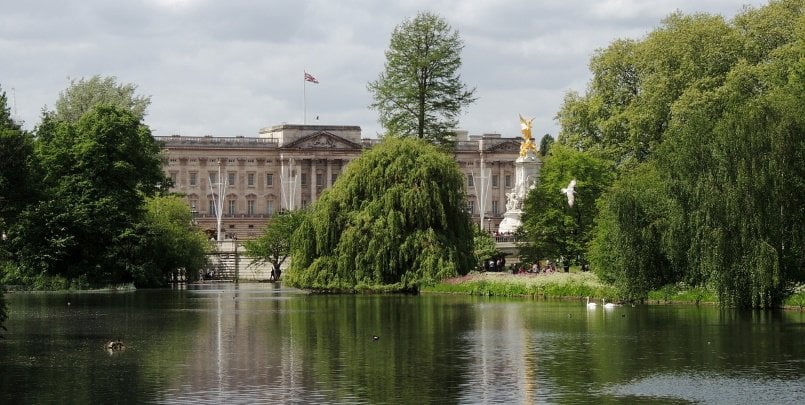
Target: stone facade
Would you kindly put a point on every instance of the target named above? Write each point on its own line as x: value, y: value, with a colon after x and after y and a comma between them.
x: 288, y: 167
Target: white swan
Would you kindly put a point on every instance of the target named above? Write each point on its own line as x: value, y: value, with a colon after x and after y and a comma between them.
x: 591, y: 305
x: 608, y: 304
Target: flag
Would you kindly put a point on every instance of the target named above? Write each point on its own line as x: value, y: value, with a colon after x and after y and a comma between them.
x: 309, y: 78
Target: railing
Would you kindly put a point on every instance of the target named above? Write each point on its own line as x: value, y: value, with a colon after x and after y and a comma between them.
x: 505, y: 238
x: 218, y: 141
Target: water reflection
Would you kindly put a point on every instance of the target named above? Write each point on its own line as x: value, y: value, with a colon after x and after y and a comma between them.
x: 261, y: 343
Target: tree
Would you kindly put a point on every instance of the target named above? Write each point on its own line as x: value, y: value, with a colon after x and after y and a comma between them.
x: 551, y: 227
x: 18, y: 172
x: 98, y: 172
x: 714, y: 108
x: 484, y: 245
x: 545, y: 145
x: 635, y: 233
x: 174, y: 245
x: 396, y: 219
x: 420, y: 93
x: 82, y: 95
x: 274, y: 245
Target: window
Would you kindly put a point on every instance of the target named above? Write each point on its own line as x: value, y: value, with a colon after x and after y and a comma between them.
x: 213, y: 178
x: 270, y: 207
x: 508, y: 181
x: 471, y: 207
x: 470, y: 181
x: 269, y: 180
x: 233, y: 204
x: 250, y: 207
x: 319, y: 180
x: 193, y: 179
x: 194, y: 207
x: 250, y: 179
x: 495, y: 180
x: 494, y: 207
x: 231, y: 179
x: 303, y: 180
x: 211, y: 209
x: 333, y: 178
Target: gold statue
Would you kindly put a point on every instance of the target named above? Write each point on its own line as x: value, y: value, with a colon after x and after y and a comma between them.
x: 528, y: 141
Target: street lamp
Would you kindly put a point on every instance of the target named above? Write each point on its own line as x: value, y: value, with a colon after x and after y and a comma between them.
x: 489, y: 225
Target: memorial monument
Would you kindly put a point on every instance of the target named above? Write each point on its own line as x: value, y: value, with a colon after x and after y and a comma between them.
x: 526, y: 173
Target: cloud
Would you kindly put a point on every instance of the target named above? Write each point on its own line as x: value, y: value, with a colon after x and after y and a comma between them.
x: 231, y: 68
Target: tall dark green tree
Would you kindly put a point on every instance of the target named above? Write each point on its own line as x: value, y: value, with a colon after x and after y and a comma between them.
x: 545, y: 145
x: 98, y: 172
x: 420, y: 92
x: 395, y: 220
x: 18, y: 169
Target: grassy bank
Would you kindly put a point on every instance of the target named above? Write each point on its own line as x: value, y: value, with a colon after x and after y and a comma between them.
x: 554, y: 285
x: 577, y: 285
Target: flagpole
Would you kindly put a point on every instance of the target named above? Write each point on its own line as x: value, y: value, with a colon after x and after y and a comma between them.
x: 304, y: 99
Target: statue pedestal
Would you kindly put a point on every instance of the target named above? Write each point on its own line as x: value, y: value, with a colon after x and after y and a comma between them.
x: 526, y: 173
x: 511, y: 221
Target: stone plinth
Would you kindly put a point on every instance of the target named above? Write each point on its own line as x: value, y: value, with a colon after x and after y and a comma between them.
x: 526, y: 173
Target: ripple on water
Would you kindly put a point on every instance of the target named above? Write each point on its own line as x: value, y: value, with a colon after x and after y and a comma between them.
x: 714, y: 388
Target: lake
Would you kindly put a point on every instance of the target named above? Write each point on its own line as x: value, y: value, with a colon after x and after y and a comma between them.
x: 262, y: 343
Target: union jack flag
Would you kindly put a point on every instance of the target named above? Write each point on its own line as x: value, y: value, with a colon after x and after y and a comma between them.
x: 309, y: 78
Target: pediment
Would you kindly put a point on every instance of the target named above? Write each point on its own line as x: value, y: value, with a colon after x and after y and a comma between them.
x: 506, y: 146
x: 322, y: 140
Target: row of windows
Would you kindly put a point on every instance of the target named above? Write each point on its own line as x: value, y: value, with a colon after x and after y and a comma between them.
x: 471, y: 207
x: 251, y: 179
x: 495, y: 180
x: 231, y: 206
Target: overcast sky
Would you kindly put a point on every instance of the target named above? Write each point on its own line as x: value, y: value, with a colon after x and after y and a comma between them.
x: 231, y: 67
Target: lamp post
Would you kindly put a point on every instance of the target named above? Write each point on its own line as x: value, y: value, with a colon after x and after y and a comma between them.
x: 489, y: 225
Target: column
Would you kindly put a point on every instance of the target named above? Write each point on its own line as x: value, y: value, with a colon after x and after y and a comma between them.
x: 312, y: 180
x: 328, y: 180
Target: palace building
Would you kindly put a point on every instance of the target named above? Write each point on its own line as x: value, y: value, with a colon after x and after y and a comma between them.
x: 287, y: 167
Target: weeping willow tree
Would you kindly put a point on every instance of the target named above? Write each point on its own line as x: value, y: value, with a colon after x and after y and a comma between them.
x: 395, y: 220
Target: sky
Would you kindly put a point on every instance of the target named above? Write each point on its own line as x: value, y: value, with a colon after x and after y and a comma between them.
x: 231, y: 67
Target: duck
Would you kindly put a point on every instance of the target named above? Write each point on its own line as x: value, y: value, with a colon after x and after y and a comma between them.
x: 115, y: 346
x: 591, y: 305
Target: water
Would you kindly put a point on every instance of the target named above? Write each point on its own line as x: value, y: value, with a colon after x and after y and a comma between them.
x: 257, y: 343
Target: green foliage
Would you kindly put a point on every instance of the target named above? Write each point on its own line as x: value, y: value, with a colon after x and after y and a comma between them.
x: 484, y: 246
x: 18, y: 170
x: 83, y: 95
x: 551, y: 228
x: 564, y: 285
x: 3, y: 310
x: 420, y: 92
x: 174, y: 243
x: 545, y: 145
x: 715, y: 107
x: 631, y: 247
x: 395, y: 217
x: 274, y: 245
x: 98, y: 171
